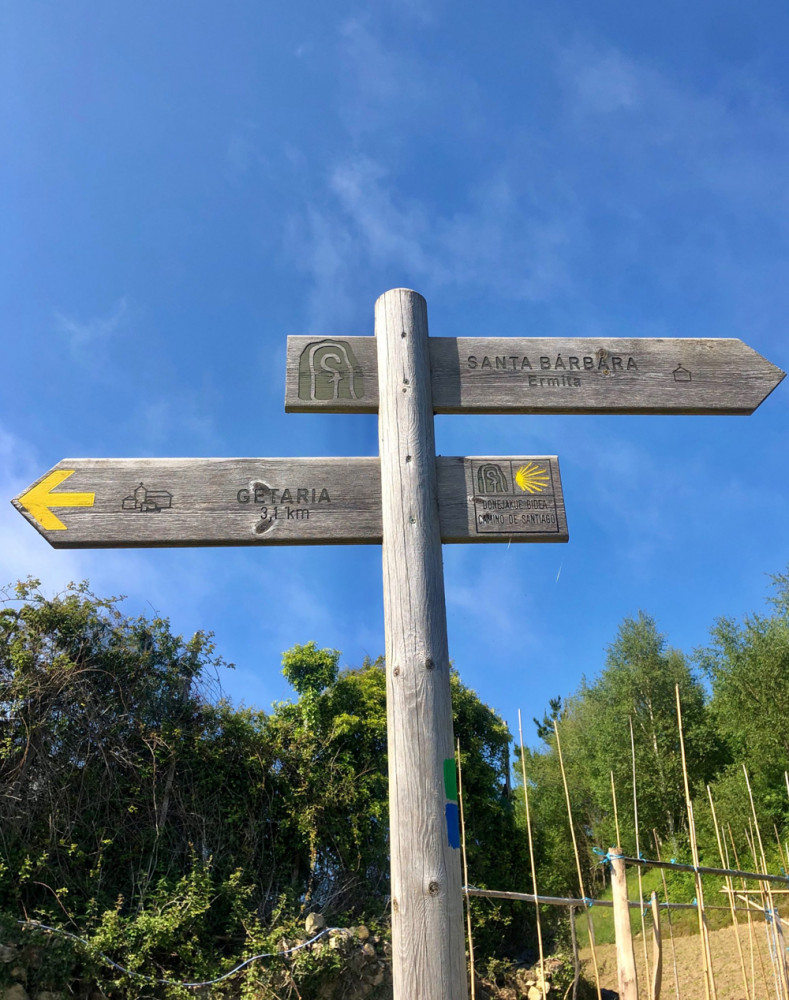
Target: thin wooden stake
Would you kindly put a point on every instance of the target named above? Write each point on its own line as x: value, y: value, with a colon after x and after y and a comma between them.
x: 616, y: 811
x: 472, y: 971
x: 668, y: 913
x: 428, y: 947
x: 531, y: 849
x: 709, y: 979
x: 750, y: 839
x: 578, y: 863
x: 730, y: 885
x: 638, y: 855
x: 780, y: 848
x: 780, y: 950
x: 657, y: 979
x: 752, y: 945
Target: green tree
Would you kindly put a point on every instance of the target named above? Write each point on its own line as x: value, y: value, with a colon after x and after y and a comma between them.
x: 175, y: 830
x: 748, y: 668
x: 636, y: 685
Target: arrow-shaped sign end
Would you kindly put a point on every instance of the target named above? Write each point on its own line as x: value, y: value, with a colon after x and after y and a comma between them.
x: 39, y: 500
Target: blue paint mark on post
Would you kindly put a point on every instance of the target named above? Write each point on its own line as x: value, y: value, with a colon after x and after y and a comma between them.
x: 453, y: 825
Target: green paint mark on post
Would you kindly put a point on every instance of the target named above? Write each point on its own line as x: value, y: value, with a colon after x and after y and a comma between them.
x: 450, y: 780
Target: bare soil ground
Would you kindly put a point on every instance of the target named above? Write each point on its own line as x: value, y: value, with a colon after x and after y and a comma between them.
x: 726, y: 965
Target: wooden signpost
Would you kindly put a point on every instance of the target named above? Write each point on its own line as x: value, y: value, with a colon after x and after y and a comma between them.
x: 409, y: 501
x: 540, y: 375
x: 145, y: 502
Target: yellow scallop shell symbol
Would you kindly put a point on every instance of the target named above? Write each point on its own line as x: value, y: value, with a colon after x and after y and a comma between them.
x: 532, y: 478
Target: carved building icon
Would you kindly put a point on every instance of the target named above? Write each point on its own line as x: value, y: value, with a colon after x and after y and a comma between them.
x: 491, y: 479
x: 328, y: 370
x: 144, y: 499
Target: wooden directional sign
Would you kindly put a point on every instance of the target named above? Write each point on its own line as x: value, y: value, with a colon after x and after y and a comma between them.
x: 126, y: 502
x: 541, y: 375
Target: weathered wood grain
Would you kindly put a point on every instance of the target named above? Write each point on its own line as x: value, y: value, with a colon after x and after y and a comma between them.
x: 428, y: 952
x: 625, y: 954
x: 291, y: 501
x: 542, y: 375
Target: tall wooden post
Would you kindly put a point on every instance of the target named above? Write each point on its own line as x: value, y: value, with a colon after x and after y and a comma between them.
x: 428, y: 954
x: 625, y: 956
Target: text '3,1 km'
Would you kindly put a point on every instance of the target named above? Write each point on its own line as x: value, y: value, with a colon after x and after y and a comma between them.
x: 136, y: 502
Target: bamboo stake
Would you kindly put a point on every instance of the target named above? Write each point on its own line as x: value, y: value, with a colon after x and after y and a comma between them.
x: 709, y: 980
x: 776, y: 916
x: 657, y: 943
x: 750, y: 903
x: 616, y: 811
x: 472, y: 970
x: 751, y: 841
x: 670, y: 927
x: 531, y: 850
x: 750, y: 922
x: 638, y: 870
x: 578, y: 863
x: 780, y: 849
x: 780, y: 951
x: 730, y: 885
x: 755, y: 892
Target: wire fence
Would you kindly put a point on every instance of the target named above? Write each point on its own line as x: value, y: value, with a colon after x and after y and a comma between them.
x: 762, y: 980
x: 774, y: 980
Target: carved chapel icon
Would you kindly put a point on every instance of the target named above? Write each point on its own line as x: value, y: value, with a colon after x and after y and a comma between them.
x: 491, y: 479
x: 328, y: 370
x: 681, y: 374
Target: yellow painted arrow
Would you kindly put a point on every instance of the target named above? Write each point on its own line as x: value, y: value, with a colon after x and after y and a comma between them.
x: 38, y: 500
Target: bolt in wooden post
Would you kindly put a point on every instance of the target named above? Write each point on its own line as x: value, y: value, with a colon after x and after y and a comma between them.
x: 428, y: 953
x: 625, y: 956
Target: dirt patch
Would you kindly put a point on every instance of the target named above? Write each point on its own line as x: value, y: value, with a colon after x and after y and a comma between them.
x: 726, y: 965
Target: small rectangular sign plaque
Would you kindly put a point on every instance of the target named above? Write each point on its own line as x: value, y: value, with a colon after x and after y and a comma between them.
x: 541, y: 375
x: 154, y: 502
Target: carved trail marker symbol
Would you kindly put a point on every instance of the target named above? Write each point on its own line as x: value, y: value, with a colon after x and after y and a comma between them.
x: 280, y: 501
x: 329, y: 372
x: 409, y: 501
x: 559, y: 375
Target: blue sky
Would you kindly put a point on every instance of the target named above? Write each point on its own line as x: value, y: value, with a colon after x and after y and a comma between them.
x: 184, y: 184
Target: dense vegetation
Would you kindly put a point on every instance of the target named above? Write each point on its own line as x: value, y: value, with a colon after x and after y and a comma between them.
x: 180, y: 834
x: 735, y: 710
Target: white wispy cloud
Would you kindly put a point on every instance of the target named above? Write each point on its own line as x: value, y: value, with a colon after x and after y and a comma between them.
x: 727, y: 142
x: 680, y: 179
x: 88, y: 333
x: 323, y: 246
x: 500, y: 241
x: 386, y: 85
x: 160, y: 424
